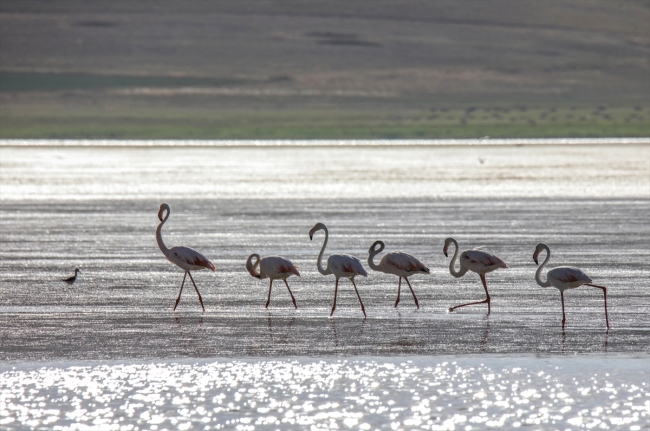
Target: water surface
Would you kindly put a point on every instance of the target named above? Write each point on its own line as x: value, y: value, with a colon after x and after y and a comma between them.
x: 109, y: 353
x: 426, y: 393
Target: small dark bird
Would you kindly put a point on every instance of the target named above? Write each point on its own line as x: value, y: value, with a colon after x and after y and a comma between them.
x: 72, y: 279
x: 481, y: 159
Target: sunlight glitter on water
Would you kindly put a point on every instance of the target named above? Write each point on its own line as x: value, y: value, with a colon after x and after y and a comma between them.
x: 448, y: 393
x: 344, y: 171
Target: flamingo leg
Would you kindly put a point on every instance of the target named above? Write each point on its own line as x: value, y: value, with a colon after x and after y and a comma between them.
x: 268, y: 301
x: 485, y: 301
x: 336, y: 290
x: 487, y: 294
x: 181, y: 291
x: 399, y: 288
x: 413, y: 293
x: 292, y: 298
x: 605, y: 298
x: 197, y: 291
x: 363, y: 309
x: 563, y: 315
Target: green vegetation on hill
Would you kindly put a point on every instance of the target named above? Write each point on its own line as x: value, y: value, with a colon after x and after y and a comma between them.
x: 291, y: 70
x: 433, y: 124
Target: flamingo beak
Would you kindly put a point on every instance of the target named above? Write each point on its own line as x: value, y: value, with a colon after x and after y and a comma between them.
x: 311, y: 235
x: 160, y: 215
x: 535, y: 258
x: 444, y: 250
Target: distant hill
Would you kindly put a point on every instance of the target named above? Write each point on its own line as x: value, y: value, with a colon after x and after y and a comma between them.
x: 295, y: 69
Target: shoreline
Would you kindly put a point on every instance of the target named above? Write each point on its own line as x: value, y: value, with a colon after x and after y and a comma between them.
x: 307, y: 143
x: 484, y: 358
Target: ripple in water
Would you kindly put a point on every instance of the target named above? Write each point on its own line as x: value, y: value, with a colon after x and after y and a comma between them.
x: 369, y: 393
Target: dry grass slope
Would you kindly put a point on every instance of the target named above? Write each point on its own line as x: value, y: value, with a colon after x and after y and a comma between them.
x: 324, y: 69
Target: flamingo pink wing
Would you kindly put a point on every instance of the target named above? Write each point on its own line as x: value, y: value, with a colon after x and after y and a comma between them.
x: 192, y: 257
x: 289, y: 268
x: 485, y: 258
x: 567, y: 274
x: 202, y: 261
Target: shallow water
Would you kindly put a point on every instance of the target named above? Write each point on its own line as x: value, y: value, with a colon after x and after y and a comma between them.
x: 95, y: 208
x: 121, y: 305
x: 428, y: 393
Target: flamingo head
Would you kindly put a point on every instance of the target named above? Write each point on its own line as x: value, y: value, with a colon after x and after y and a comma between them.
x: 317, y: 227
x: 373, y: 247
x: 251, y: 265
x: 445, y: 249
x: 538, y: 250
x: 161, y: 212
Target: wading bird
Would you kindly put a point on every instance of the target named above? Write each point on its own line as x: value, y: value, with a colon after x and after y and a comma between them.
x: 274, y: 268
x: 478, y: 261
x: 396, y: 263
x: 563, y: 278
x: 341, y: 265
x: 71, y: 280
x: 183, y: 257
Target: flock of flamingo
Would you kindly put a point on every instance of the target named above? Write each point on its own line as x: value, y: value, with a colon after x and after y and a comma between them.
x: 401, y: 264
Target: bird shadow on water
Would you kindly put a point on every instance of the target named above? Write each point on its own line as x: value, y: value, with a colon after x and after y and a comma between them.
x: 575, y: 345
x: 188, y: 321
x: 336, y: 336
x: 486, y: 333
x: 352, y: 335
x: 190, y: 329
x: 275, y: 335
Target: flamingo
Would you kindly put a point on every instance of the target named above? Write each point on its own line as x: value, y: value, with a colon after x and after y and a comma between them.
x: 396, y: 263
x: 476, y: 260
x: 71, y: 280
x: 563, y: 278
x: 341, y: 265
x: 274, y: 268
x: 183, y: 257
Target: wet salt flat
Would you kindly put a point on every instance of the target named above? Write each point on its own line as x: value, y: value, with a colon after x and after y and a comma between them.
x: 96, y: 208
x: 322, y: 173
x: 388, y: 393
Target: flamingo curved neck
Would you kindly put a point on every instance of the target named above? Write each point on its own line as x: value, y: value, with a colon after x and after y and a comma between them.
x: 159, y: 239
x: 452, y: 264
x: 319, y: 264
x: 371, y: 256
x: 250, y: 266
x: 538, y: 274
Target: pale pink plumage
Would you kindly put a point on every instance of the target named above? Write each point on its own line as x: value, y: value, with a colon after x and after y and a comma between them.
x: 189, y: 259
x: 563, y: 278
x: 183, y: 257
x: 274, y: 268
x: 397, y: 263
x: 478, y: 261
x: 346, y: 266
x: 341, y: 265
x: 481, y: 261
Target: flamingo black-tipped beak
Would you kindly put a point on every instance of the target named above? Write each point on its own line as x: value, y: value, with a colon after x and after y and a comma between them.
x: 311, y: 236
x: 535, y: 259
x: 446, y: 255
